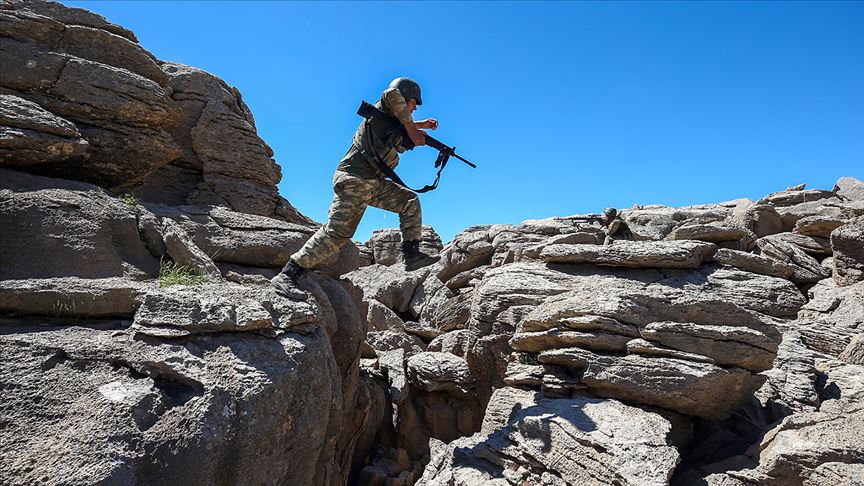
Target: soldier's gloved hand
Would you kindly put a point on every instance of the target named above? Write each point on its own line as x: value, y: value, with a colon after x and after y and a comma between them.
x: 417, y: 136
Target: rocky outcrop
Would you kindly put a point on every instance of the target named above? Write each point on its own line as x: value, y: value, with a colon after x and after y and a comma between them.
x: 529, y: 439
x: 135, y: 361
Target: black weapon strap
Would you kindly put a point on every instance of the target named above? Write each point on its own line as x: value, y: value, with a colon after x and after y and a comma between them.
x: 370, y: 152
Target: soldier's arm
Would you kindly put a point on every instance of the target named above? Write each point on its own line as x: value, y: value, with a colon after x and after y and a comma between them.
x: 613, y: 226
x: 398, y: 106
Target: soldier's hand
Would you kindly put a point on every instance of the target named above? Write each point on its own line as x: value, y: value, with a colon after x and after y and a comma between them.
x: 417, y: 136
x: 429, y: 123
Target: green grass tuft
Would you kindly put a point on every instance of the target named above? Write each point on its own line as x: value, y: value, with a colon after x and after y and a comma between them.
x: 129, y: 199
x: 172, y: 274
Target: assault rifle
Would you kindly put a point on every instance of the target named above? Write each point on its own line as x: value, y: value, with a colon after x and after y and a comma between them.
x: 369, y: 111
x: 591, y: 218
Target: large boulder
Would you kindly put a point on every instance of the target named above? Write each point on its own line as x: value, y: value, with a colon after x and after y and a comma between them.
x: 529, y: 439
x: 60, y: 228
x: 794, y: 451
x: 223, y: 159
x: 129, y: 411
x: 123, y: 116
x: 849, y: 188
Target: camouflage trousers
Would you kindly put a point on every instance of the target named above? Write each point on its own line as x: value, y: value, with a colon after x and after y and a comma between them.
x: 352, y: 195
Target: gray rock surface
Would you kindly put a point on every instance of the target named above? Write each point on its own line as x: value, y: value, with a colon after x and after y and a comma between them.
x: 807, y: 268
x: 634, y: 254
x: 433, y: 371
x: 854, y: 352
x: 86, y: 232
x: 847, y: 244
x: 849, y: 188
x: 529, y: 439
x: 691, y: 388
x: 792, y: 451
x: 129, y: 411
x: 71, y: 297
x: 30, y: 135
x: 754, y: 263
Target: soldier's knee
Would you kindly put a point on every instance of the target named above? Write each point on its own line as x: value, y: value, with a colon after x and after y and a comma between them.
x: 412, y: 204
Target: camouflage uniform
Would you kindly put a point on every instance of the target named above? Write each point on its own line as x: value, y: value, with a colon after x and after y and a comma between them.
x: 359, y: 183
x: 617, y: 230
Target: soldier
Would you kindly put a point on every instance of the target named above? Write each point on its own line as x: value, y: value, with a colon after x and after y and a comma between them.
x: 359, y: 182
x: 615, y: 227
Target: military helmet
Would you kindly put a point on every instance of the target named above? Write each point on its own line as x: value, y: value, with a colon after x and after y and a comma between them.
x: 611, y: 212
x: 408, y: 87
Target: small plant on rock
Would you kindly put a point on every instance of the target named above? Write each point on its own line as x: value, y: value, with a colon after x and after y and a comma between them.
x: 172, y: 274
x: 129, y: 199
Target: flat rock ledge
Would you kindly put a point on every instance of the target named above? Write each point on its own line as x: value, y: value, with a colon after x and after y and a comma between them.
x: 633, y: 254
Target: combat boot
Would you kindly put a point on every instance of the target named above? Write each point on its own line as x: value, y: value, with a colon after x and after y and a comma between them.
x: 286, y: 282
x: 414, y: 258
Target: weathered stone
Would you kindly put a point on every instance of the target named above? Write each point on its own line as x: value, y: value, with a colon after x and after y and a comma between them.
x: 123, y: 116
x: 832, y: 207
x: 849, y: 188
x: 761, y: 219
x: 634, y: 254
x: 794, y: 196
x: 691, y: 388
x: 847, y: 244
x: 819, y: 226
x: 453, y: 313
x: 535, y: 342
x: 30, y: 135
x: 469, y: 249
x: 70, y: 297
x: 453, y: 342
x: 381, y: 318
x: 184, y: 252
x: 839, y: 380
x: 430, y: 296
x: 713, y: 232
x: 181, y: 310
x: 836, y: 474
x: 854, y: 352
x: 395, y: 339
x: 431, y: 371
x: 251, y: 240
x: 754, y: 263
x: 725, y: 345
x: 467, y: 278
x: 807, y: 270
x: 832, y: 317
x: 791, y: 452
x: 71, y: 16
x: 582, y: 440
x: 391, y: 286
x: 60, y: 228
x: 647, y: 348
x: 127, y: 411
x: 791, y: 384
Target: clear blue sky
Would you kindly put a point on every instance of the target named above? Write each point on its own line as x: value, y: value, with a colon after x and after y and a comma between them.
x: 565, y: 107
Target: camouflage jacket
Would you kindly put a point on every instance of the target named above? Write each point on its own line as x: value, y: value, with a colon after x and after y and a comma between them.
x: 618, y: 230
x: 388, y: 147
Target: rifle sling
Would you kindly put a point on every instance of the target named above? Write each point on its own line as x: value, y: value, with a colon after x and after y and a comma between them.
x: 369, y: 152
